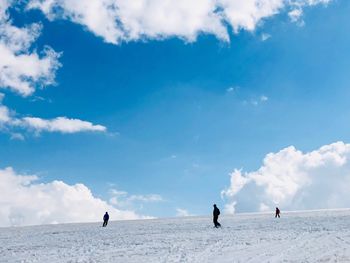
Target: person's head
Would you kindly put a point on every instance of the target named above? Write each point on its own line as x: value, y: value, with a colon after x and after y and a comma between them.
x: 214, y: 205
x: 106, y: 212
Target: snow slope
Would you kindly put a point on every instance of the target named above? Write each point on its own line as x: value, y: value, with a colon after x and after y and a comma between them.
x: 321, y: 236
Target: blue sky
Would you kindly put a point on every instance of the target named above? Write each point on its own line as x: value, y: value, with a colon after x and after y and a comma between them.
x: 181, y: 116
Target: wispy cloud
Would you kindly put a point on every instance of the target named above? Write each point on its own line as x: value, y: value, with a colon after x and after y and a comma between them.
x: 10, y: 122
x: 123, y: 199
x: 256, y: 101
x: 296, y: 16
x: 232, y: 89
x: 264, y: 98
x: 182, y: 212
x: 60, y: 124
x: 265, y: 36
x: 146, y: 198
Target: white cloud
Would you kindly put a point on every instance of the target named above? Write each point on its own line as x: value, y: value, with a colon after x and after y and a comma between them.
x: 265, y: 36
x: 116, y: 192
x: 116, y: 20
x: 182, y: 212
x: 256, y: 101
x: 247, y: 14
x: 296, y: 13
x: 232, y: 89
x: 24, y: 201
x: 294, y: 180
x: 124, y: 20
x: 295, y: 16
x: 4, y: 115
x: 230, y: 208
x: 10, y: 121
x: 17, y: 136
x: 60, y: 124
x: 21, y: 69
x: 123, y: 199
x: 263, y: 98
x: 146, y: 198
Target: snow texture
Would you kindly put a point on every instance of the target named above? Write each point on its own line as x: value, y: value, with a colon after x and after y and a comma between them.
x: 319, y: 236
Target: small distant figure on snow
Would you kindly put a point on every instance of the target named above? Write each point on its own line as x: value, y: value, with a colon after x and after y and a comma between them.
x: 277, y: 212
x: 105, y: 219
x: 216, y: 213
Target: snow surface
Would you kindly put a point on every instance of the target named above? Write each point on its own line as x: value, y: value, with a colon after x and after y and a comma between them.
x: 321, y: 236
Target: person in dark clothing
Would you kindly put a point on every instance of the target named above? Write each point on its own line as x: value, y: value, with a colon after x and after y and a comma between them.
x: 277, y: 212
x: 216, y: 213
x: 105, y: 219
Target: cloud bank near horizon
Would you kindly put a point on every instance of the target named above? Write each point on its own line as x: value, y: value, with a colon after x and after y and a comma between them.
x: 26, y: 201
x: 293, y: 180
x: 119, y: 21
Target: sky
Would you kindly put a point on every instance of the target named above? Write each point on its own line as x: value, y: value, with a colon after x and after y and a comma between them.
x: 162, y: 108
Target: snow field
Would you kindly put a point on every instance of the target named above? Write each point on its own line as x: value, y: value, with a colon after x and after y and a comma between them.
x: 321, y: 236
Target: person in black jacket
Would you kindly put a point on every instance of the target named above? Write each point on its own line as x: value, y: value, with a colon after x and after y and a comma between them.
x: 216, y: 213
x: 277, y: 212
x: 105, y: 219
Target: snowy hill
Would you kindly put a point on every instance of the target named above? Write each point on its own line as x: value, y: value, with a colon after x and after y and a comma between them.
x: 319, y: 236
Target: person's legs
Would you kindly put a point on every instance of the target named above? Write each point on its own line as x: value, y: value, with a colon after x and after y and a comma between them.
x: 215, y: 220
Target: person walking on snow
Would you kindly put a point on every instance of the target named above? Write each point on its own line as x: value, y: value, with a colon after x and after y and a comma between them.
x: 216, y: 213
x: 277, y: 212
x: 105, y: 219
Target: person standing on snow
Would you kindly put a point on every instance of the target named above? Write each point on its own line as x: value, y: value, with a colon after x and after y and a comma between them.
x: 216, y: 213
x: 105, y: 219
x: 277, y: 212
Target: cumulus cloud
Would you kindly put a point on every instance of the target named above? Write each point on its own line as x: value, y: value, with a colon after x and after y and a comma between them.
x: 22, y: 69
x: 117, y: 20
x: 124, y: 20
x: 247, y: 14
x: 25, y: 201
x: 293, y: 180
x: 4, y: 114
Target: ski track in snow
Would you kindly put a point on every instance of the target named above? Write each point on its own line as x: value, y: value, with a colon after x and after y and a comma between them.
x: 322, y: 236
